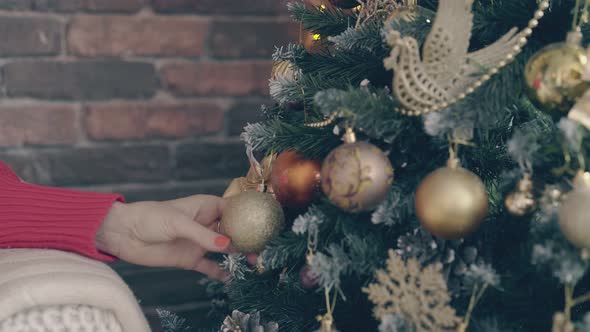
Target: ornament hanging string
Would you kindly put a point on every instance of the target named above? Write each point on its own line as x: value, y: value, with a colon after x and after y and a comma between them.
x: 312, y: 243
x: 327, y: 320
x: 476, y: 295
x: 580, y: 19
x: 521, y: 201
x: 571, y: 302
x: 262, y: 171
x: 456, y: 141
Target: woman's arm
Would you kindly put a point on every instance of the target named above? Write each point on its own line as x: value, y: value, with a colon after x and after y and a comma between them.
x: 33, y: 216
x: 176, y: 233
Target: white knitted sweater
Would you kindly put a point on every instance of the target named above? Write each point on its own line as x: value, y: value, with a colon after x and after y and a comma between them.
x: 49, y: 290
x: 79, y: 318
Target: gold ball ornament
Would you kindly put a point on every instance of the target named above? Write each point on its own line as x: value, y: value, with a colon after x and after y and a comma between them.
x: 574, y: 212
x: 283, y: 69
x: 554, y: 76
x: 251, y: 219
x: 408, y: 14
x: 451, y: 202
x: 356, y: 176
x: 312, y: 42
x: 522, y: 201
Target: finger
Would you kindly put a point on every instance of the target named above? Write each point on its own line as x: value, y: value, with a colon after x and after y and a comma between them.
x: 185, y: 228
x: 210, y: 211
x: 205, y: 209
x: 216, y: 227
x: 211, y: 269
x: 183, y: 254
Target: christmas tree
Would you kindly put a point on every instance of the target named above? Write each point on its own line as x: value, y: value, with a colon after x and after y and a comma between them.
x: 459, y: 199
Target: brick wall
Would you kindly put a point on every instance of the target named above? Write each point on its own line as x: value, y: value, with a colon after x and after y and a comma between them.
x: 142, y: 97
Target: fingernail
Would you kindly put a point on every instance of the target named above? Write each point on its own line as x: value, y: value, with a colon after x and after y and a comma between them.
x: 222, y: 241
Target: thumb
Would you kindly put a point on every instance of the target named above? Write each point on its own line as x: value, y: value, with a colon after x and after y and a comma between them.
x: 186, y: 228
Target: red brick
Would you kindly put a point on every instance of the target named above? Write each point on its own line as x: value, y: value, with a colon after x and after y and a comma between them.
x: 224, y: 7
x: 111, y: 6
x: 122, y: 121
x: 123, y: 35
x: 126, y: 6
x: 37, y: 124
x: 220, y: 79
x: 89, y: 79
x: 197, y: 161
x: 93, y: 165
x: 164, y: 192
x: 250, y: 39
x: 30, y: 36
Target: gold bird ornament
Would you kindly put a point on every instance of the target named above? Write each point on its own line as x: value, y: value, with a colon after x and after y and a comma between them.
x: 447, y: 72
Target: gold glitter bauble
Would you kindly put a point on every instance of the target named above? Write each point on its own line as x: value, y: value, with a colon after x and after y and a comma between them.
x: 451, y: 202
x: 283, y: 69
x: 251, y: 219
x: 522, y: 201
x: 574, y: 212
x: 581, y: 110
x: 408, y: 14
x: 554, y: 77
x: 403, y: 13
x: 356, y: 176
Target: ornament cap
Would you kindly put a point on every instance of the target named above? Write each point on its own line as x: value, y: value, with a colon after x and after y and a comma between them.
x: 574, y: 38
x: 582, y: 180
x: 349, y: 136
x: 411, y: 4
x: 525, y: 184
x: 454, y: 163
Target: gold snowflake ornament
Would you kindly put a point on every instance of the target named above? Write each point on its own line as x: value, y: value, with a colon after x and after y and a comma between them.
x: 420, y: 295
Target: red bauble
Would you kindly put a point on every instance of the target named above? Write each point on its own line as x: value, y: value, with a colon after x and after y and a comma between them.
x: 295, y: 180
x: 308, y: 278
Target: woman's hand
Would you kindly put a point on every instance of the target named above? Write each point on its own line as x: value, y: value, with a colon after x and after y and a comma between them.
x: 174, y: 233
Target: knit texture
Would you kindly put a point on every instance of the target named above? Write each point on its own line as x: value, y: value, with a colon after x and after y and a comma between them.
x: 46, y: 217
x: 35, y: 280
x: 61, y: 318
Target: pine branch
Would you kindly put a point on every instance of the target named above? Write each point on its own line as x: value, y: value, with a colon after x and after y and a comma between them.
x: 326, y: 22
x: 346, y: 67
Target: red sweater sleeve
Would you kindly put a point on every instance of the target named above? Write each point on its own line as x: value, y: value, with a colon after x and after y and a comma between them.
x: 34, y: 216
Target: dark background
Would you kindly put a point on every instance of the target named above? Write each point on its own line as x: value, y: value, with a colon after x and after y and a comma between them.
x: 146, y: 98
